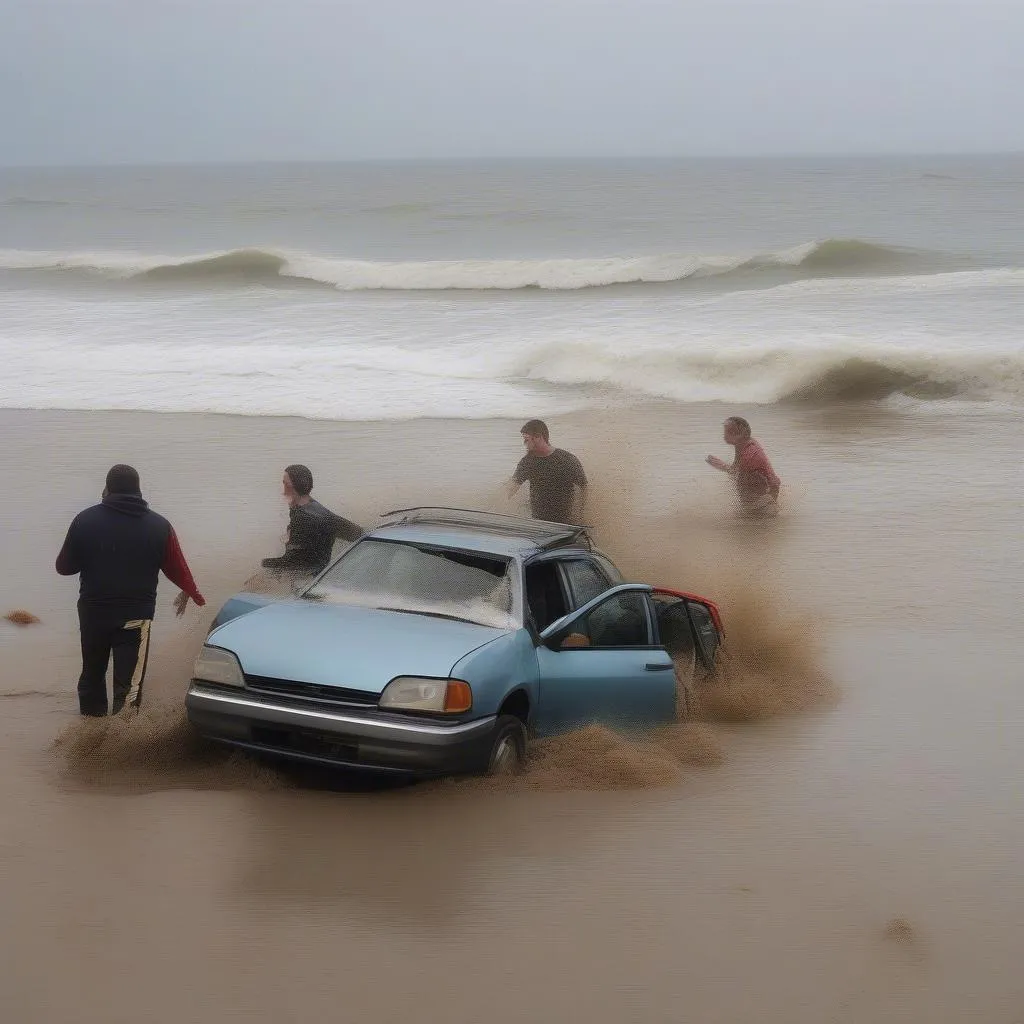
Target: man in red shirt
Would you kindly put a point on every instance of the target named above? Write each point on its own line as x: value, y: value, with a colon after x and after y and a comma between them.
x: 756, y: 482
x: 119, y: 548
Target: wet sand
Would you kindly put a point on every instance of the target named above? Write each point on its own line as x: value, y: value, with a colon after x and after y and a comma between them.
x: 859, y: 863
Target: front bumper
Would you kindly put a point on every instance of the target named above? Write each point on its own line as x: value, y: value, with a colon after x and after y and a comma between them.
x: 364, y: 738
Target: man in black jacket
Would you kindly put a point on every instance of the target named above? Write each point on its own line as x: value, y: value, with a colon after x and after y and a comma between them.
x: 312, y: 528
x: 120, y: 548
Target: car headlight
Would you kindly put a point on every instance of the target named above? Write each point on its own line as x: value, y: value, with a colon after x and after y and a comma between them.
x: 216, y: 665
x: 419, y: 693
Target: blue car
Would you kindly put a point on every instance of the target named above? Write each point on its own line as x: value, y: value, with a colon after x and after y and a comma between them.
x: 442, y: 642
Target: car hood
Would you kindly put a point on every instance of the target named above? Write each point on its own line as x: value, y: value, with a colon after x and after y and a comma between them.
x: 347, y: 645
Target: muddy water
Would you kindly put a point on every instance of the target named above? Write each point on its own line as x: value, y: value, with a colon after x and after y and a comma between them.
x: 856, y: 863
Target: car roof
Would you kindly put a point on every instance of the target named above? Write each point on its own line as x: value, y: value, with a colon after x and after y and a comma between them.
x: 485, y: 532
x: 464, y: 538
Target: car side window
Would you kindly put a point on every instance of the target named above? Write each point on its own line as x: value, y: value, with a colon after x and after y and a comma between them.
x: 586, y: 580
x: 705, y: 627
x: 545, y: 597
x: 620, y: 621
x: 674, y: 626
x: 608, y: 567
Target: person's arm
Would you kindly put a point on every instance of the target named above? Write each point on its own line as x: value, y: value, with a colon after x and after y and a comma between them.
x: 285, y: 561
x: 717, y: 463
x: 766, y: 475
x: 580, y: 482
x: 345, y: 529
x: 517, y: 479
x: 68, y: 563
x: 293, y: 545
x: 305, y: 534
x: 176, y: 569
x: 579, y: 474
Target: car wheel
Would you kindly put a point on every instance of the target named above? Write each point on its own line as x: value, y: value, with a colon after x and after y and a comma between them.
x: 508, y: 747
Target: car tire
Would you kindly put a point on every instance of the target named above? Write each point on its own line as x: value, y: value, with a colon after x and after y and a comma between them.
x: 508, y: 747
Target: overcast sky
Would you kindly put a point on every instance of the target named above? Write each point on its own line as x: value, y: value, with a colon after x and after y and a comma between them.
x: 145, y: 81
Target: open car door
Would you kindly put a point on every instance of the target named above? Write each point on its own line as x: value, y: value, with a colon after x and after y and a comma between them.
x: 689, y: 627
x: 603, y: 663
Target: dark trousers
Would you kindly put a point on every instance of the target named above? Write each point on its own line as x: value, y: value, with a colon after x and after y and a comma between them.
x: 105, y: 633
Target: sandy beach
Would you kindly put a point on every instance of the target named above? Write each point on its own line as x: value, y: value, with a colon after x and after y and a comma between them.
x: 858, y: 863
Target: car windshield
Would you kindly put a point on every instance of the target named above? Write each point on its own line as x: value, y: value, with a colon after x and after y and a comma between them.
x: 421, y: 578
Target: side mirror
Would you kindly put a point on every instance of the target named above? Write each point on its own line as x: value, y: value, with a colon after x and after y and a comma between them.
x: 552, y: 642
x: 551, y: 636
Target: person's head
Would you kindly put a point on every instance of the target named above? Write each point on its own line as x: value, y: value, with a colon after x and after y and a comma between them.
x: 297, y: 482
x: 535, y: 435
x: 736, y: 430
x: 122, y: 479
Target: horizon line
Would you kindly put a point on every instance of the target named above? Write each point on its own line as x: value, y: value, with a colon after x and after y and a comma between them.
x: 508, y: 158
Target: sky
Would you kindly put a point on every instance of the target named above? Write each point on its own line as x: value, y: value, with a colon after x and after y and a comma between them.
x: 155, y: 81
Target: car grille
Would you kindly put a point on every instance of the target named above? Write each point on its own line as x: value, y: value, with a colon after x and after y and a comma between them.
x: 302, y: 742
x: 311, y: 691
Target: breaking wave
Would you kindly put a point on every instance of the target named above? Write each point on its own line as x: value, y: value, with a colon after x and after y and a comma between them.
x: 828, y: 258
x: 839, y: 372
x: 867, y: 380
x: 495, y: 384
x: 247, y: 264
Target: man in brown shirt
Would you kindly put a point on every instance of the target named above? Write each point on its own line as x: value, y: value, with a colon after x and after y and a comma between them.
x: 558, y: 484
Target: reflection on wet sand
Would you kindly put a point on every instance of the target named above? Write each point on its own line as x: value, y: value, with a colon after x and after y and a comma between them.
x: 406, y: 856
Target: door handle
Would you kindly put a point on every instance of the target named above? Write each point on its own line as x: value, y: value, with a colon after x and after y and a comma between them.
x: 657, y: 666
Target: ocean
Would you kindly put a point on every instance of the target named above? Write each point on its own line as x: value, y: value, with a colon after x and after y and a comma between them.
x: 785, y: 860
x: 480, y: 290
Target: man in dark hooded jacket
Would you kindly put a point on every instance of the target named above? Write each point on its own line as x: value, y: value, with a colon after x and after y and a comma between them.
x: 120, y: 547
